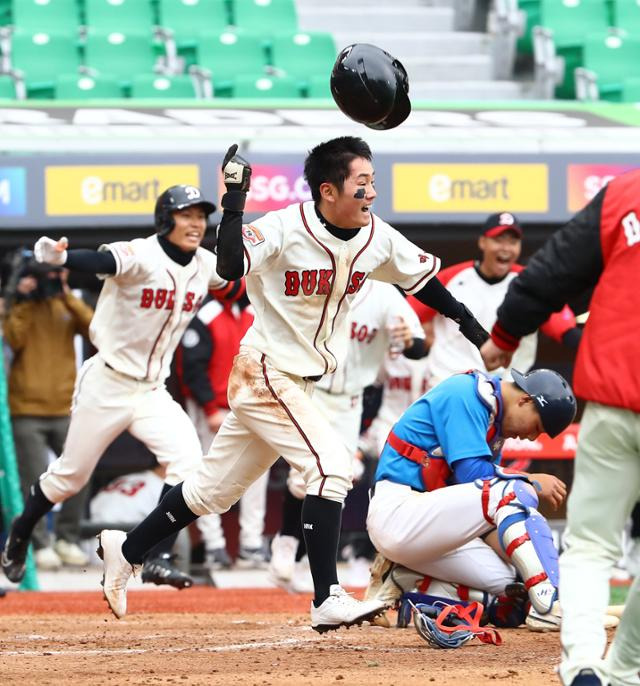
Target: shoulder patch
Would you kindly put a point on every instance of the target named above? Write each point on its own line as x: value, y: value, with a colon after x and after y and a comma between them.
x: 251, y: 234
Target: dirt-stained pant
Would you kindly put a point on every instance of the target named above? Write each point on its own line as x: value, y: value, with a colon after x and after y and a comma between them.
x: 272, y: 414
x: 106, y: 403
x: 253, y: 504
x: 606, y: 486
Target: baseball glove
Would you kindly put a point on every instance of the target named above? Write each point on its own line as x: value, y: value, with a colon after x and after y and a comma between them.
x: 451, y: 626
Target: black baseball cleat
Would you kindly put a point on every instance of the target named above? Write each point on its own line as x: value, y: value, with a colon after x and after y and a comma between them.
x: 14, y: 556
x: 161, y: 571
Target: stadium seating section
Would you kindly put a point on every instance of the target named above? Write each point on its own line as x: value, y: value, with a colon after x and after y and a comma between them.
x: 599, y: 35
x: 92, y: 49
x: 82, y: 49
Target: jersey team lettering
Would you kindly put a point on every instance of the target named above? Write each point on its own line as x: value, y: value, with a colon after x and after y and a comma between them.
x: 317, y: 281
x: 162, y: 298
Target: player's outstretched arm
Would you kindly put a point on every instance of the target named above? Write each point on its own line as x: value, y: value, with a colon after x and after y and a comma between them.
x: 435, y: 295
x: 236, y: 172
x: 49, y: 251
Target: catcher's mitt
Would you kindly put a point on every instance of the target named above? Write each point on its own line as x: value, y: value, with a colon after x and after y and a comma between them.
x: 452, y: 626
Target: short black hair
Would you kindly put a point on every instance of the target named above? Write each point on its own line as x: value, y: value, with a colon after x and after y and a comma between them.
x: 329, y: 162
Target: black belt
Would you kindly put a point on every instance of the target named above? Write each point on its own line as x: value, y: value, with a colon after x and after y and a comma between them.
x: 135, y: 378
x: 312, y: 378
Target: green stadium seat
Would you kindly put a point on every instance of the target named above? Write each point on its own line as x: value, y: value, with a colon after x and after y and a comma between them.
x: 164, y: 87
x: 41, y: 57
x: 261, y: 86
x: 7, y: 88
x: 182, y: 16
x: 531, y: 8
x: 266, y: 16
x: 49, y: 15
x: 612, y: 57
x: 229, y: 54
x: 318, y: 86
x: 129, y: 16
x: 119, y: 54
x: 83, y: 87
x: 303, y: 54
x: 626, y: 15
x: 631, y: 90
x: 571, y: 21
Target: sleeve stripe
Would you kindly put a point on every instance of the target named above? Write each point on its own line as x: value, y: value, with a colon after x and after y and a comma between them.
x: 503, y: 339
x: 432, y: 272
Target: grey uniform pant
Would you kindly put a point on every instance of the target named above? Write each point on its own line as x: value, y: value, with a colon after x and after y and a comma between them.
x: 33, y: 437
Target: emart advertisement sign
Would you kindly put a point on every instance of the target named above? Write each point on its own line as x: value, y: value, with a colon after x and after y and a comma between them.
x: 584, y: 181
x: 455, y: 188
x: 112, y: 189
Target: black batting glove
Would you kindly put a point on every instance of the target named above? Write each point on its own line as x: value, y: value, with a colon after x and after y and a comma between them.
x: 236, y: 173
x: 471, y: 328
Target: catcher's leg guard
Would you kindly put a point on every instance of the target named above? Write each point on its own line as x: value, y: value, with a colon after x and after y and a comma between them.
x: 526, y: 538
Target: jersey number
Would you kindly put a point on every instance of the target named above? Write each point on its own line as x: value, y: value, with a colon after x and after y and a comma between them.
x: 631, y: 227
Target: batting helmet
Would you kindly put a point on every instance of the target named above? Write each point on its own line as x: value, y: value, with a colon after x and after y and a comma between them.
x: 177, y: 198
x: 371, y: 86
x: 552, y: 395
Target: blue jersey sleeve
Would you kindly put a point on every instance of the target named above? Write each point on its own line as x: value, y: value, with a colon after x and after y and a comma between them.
x: 472, y: 468
x: 460, y: 419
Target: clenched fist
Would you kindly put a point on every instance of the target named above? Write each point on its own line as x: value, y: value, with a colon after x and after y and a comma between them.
x: 51, y: 252
x: 236, y: 173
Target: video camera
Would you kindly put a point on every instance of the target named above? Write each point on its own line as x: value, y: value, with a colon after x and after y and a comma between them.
x: 22, y: 263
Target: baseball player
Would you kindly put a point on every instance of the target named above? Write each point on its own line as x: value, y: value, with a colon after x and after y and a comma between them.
x: 152, y: 288
x: 482, y: 284
x: 441, y: 503
x: 379, y: 316
x: 599, y: 248
x: 204, y: 357
x: 304, y: 266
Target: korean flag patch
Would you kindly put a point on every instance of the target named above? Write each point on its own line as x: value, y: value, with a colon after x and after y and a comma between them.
x: 252, y: 235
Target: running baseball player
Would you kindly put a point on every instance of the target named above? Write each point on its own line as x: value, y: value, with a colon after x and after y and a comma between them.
x: 304, y: 266
x: 379, y: 317
x: 443, y: 506
x: 152, y: 288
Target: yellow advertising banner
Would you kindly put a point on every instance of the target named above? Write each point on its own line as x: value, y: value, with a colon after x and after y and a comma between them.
x: 470, y: 187
x: 112, y: 189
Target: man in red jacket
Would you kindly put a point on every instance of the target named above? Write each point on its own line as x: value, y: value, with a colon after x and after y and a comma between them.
x: 599, y: 247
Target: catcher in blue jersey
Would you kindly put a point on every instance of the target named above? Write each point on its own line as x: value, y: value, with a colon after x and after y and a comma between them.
x: 442, y: 508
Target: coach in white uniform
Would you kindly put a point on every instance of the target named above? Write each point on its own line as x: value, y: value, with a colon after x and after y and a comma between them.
x: 304, y: 266
x: 152, y: 289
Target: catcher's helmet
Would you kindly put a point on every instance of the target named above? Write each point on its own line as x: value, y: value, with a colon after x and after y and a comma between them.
x: 177, y: 198
x: 371, y: 86
x: 552, y: 395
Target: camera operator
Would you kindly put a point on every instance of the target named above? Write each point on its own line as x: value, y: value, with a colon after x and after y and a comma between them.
x: 42, y: 317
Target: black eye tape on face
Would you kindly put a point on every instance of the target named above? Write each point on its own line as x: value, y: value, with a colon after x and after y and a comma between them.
x: 359, y: 194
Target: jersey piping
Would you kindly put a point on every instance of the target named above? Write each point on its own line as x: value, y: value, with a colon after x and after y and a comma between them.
x: 327, y: 297
x: 294, y: 422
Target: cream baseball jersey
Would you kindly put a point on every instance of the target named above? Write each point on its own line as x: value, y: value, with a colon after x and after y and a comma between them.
x: 144, y: 308
x: 302, y: 281
x: 373, y: 311
x: 451, y: 352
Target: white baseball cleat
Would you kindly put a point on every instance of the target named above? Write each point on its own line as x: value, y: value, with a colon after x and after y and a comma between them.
x: 341, y: 609
x: 283, y: 559
x: 553, y: 619
x: 117, y: 570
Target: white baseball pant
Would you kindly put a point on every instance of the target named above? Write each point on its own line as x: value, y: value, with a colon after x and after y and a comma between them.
x: 438, y: 534
x: 106, y: 403
x: 272, y: 414
x: 344, y: 413
x: 253, y: 504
